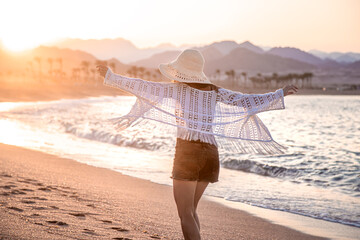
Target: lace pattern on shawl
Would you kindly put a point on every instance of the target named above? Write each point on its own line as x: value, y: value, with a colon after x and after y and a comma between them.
x: 224, y: 118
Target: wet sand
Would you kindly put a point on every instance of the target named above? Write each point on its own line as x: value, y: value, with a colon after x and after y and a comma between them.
x: 47, y: 197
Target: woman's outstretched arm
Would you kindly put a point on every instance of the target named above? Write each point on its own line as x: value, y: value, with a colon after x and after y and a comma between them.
x: 256, y: 103
x: 138, y: 87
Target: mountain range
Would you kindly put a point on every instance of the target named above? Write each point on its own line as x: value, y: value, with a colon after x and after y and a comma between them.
x: 122, y: 49
x: 127, y: 52
x: 223, y: 56
x: 229, y: 55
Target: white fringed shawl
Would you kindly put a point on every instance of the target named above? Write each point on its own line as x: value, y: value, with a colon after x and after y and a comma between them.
x: 228, y: 116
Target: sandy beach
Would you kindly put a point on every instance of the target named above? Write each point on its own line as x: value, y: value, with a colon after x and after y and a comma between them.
x: 47, y: 197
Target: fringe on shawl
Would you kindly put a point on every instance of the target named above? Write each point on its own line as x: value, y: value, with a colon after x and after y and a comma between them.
x: 251, y: 146
x: 194, y: 135
x: 242, y: 146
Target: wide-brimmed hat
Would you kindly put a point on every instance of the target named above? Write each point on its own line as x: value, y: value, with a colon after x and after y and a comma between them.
x: 187, y: 67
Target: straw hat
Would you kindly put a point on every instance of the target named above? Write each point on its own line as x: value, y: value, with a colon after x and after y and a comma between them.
x: 187, y: 67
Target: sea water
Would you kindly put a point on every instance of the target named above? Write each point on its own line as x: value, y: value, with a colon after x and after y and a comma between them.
x: 318, y: 176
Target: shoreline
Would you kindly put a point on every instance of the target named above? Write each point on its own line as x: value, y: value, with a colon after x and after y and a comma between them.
x: 302, y: 223
x: 45, y: 196
x: 50, y: 92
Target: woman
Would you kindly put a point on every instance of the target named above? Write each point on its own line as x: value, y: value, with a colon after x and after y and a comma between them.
x: 203, y: 115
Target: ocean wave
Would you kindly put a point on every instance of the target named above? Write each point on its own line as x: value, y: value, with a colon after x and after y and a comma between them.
x: 260, y: 168
x: 113, y: 138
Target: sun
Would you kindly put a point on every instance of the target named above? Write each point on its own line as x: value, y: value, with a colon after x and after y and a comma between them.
x: 19, y: 44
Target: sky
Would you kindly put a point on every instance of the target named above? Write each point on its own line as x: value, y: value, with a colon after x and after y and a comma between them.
x: 326, y: 25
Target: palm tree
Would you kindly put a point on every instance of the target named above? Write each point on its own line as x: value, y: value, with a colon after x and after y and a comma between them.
x: 154, y: 76
x: 93, y: 72
x: 31, y: 68
x: 217, y: 74
x: 129, y: 72
x: 73, y: 75
x: 141, y: 72
x: 50, y: 61
x: 231, y: 76
x: 60, y: 68
x: 244, y: 74
x: 85, y: 67
x: 274, y: 78
x: 147, y: 74
x: 38, y: 60
x: 308, y: 77
x: 267, y: 81
x: 134, y: 71
x: 113, y: 66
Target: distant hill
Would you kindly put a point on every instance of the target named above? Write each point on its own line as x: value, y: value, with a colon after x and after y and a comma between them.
x: 119, y: 48
x: 248, y: 45
x: 126, y: 52
x: 239, y: 58
x: 246, y: 60
x: 156, y: 59
x: 101, y: 49
x: 46, y: 58
x: 224, y: 47
x: 348, y: 57
x: 211, y: 53
x: 295, y: 53
x: 354, y: 65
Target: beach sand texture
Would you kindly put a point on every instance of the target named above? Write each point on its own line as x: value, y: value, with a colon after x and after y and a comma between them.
x: 46, y: 197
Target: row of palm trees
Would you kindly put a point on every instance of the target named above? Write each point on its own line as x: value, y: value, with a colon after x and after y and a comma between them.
x: 53, y: 72
x: 235, y: 80
x: 85, y: 73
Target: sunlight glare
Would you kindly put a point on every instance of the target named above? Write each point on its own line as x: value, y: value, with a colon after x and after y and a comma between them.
x: 17, y: 43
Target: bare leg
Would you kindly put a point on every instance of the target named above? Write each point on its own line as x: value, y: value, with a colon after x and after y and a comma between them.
x: 184, y: 194
x: 200, y: 188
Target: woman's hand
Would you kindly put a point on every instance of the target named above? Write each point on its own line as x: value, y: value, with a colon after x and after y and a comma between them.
x: 289, y: 89
x: 102, y: 70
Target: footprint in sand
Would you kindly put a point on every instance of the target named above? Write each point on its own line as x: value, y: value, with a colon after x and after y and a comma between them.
x: 89, y: 231
x: 5, y: 175
x: 17, y: 192
x: 120, y: 229
x: 59, y: 223
x: 37, y: 198
x: 30, y: 179
x: 27, y: 180
x: 79, y: 215
x: 9, y: 186
x: 15, y: 209
x: 39, y: 208
x: 31, y: 182
x: 28, y: 202
x: 45, y: 189
x: 26, y: 190
x: 106, y: 221
x: 155, y: 237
